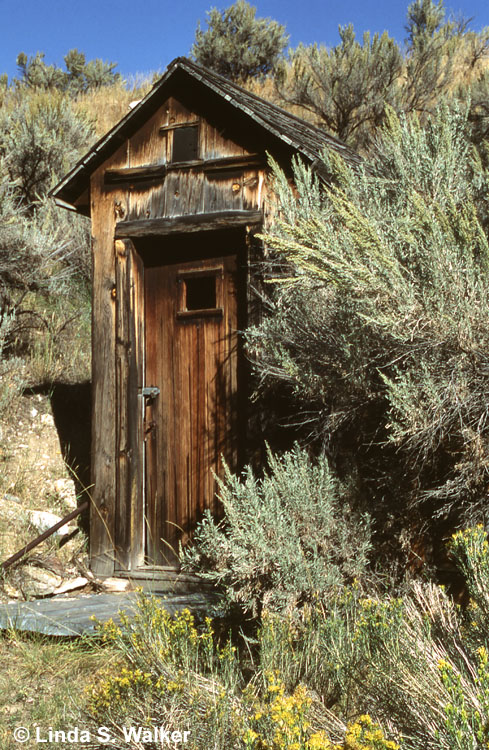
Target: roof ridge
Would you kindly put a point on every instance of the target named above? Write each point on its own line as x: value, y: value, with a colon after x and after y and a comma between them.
x: 185, y: 61
x: 307, y: 139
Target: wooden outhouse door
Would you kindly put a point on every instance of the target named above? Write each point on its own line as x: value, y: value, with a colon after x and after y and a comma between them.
x: 189, y: 390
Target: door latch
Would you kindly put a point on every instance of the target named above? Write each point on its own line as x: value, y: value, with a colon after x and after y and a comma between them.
x: 150, y: 392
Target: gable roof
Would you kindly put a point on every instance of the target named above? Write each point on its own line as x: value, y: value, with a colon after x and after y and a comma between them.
x: 306, y: 139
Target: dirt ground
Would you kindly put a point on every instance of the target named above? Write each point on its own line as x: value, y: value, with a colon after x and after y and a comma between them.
x: 36, y: 489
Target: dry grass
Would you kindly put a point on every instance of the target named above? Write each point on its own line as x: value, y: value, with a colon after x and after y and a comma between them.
x: 267, y: 90
x: 110, y: 104
x: 60, y: 347
x: 42, y: 682
x: 464, y: 71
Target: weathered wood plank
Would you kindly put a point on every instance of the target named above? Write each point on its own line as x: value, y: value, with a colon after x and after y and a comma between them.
x: 129, y: 498
x: 252, y: 179
x: 158, y: 171
x: 175, y: 187
x: 216, y: 144
x: 122, y: 355
x: 178, y: 114
x: 154, y: 421
x: 136, y: 408
x: 104, y: 206
x: 191, y: 223
x: 186, y: 123
x: 225, y: 163
x: 148, y: 148
x: 130, y: 175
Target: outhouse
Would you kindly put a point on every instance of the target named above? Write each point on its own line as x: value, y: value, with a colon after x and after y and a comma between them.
x: 176, y: 192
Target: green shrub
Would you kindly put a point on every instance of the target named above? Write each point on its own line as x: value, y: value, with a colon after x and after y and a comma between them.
x: 410, y: 672
x: 45, y: 264
x: 79, y: 76
x: 377, y: 332
x: 238, y: 45
x: 41, y: 137
x: 418, y: 664
x: 43, y: 277
x: 169, y: 672
x: 172, y: 671
x: 470, y: 549
x: 318, y: 648
x: 285, y: 539
x: 428, y: 676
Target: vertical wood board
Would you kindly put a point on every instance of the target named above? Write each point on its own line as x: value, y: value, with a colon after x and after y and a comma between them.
x: 104, y: 207
x: 128, y: 363
x: 193, y: 422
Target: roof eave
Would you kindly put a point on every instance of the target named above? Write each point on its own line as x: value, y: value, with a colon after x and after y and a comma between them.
x: 61, y: 191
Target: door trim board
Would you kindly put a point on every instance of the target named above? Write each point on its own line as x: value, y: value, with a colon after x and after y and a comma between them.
x: 185, y: 224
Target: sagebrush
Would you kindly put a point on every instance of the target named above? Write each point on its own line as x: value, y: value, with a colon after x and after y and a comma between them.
x: 285, y: 538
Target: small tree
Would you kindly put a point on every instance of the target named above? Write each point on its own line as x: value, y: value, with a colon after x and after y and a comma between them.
x: 79, y: 76
x: 238, y: 45
x: 83, y: 75
x: 36, y: 74
x: 432, y: 43
x: 348, y: 86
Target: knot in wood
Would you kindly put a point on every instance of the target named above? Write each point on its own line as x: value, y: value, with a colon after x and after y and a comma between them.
x: 120, y: 248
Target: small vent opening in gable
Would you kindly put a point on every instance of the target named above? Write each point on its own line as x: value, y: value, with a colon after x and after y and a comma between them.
x: 185, y: 143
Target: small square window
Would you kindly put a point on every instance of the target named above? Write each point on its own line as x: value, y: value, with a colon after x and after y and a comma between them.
x: 200, y: 292
x: 185, y: 143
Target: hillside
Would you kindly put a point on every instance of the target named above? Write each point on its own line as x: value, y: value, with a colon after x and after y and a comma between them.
x: 351, y: 556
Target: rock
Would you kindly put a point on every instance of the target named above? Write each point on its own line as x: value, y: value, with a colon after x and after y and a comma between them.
x: 42, y: 520
x: 65, y: 490
x: 33, y: 412
x: 50, y: 563
x: 11, y: 512
x: 116, y: 584
x: 76, y: 583
x: 39, y: 582
x: 47, y: 419
x: 12, y: 498
x: 10, y: 591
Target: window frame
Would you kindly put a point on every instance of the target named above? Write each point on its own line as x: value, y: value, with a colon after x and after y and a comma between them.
x: 205, y: 312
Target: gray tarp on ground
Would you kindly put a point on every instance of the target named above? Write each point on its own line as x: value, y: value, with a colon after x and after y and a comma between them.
x: 69, y: 615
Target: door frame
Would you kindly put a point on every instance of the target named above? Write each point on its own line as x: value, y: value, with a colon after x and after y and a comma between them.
x: 128, y: 291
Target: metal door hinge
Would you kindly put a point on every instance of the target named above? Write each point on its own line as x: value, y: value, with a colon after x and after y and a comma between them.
x: 150, y: 392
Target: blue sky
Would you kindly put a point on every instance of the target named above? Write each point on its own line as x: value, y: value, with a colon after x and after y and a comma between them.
x: 144, y: 36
